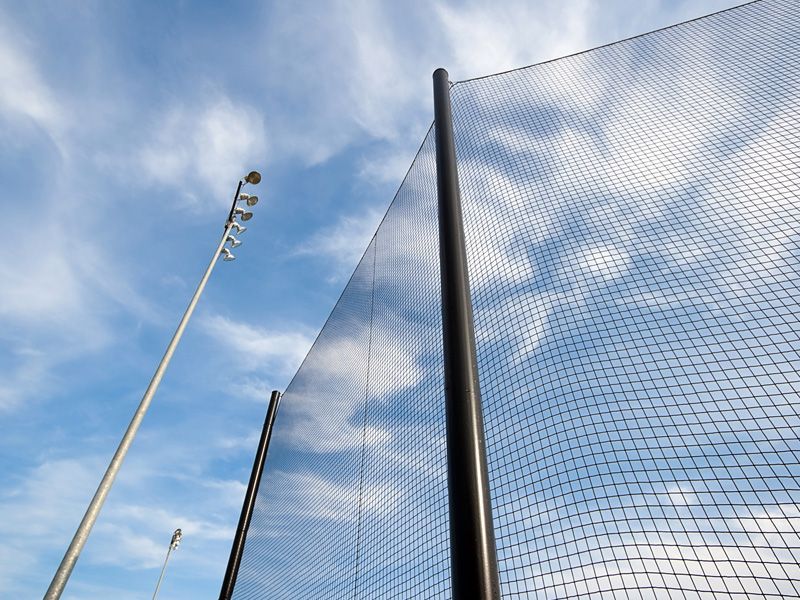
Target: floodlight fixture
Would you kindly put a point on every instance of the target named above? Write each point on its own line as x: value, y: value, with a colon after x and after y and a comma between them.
x: 253, y: 177
x: 176, y: 539
x: 227, y: 254
x: 245, y: 214
x: 234, y: 242
x: 239, y: 227
x: 251, y: 200
x: 173, y: 545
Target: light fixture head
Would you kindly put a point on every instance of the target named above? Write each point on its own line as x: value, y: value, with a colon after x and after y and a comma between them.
x: 176, y: 539
x: 226, y: 254
x: 251, y: 200
x: 239, y: 228
x: 234, y: 242
x: 245, y: 214
x: 253, y: 177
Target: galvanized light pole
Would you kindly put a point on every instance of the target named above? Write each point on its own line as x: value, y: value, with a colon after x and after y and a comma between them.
x: 82, y: 534
x: 173, y: 545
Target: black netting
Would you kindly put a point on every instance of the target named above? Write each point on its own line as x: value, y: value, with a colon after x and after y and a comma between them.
x: 633, y: 233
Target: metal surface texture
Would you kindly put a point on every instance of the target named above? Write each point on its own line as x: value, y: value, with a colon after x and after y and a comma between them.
x: 472, y: 547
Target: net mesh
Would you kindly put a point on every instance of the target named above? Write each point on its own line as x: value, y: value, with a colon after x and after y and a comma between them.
x: 632, y: 225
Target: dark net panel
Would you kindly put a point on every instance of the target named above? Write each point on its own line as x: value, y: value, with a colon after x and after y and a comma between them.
x: 302, y: 540
x: 404, y: 551
x: 353, y: 503
x: 633, y: 222
x: 632, y: 227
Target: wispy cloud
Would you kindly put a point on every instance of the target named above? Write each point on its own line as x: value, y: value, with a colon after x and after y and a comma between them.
x: 485, y: 39
x: 59, y: 306
x: 23, y: 91
x: 41, y: 510
x: 343, y: 243
x: 133, y: 535
x: 262, y: 359
x: 34, y: 516
x: 26, y: 375
x: 359, y: 90
x: 55, y: 307
x: 377, y: 83
x: 204, y: 142
x: 389, y: 165
x: 255, y: 348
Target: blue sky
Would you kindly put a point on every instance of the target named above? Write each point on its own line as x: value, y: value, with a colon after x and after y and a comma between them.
x: 123, y: 130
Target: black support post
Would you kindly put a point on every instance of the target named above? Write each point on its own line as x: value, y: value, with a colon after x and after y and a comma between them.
x: 472, y: 546
x: 235, y: 198
x: 249, y: 500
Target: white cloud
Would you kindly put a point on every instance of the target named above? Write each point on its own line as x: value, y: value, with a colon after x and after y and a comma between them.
x: 22, y: 89
x: 47, y: 280
x: 362, y: 70
x: 63, y: 292
x: 254, y: 387
x: 349, y: 75
x: 674, y: 556
x: 597, y: 262
x: 259, y: 360
x: 52, y: 279
x: 211, y: 143
x: 504, y: 210
x: 27, y: 377
x: 681, y: 495
x: 39, y: 512
x: 344, y: 243
x: 388, y: 166
x: 485, y: 39
x: 254, y: 349
x: 133, y: 536
x: 502, y: 326
x: 305, y: 495
x: 377, y: 88
x: 62, y: 286
x: 42, y: 509
x: 82, y: 590
x: 323, y: 409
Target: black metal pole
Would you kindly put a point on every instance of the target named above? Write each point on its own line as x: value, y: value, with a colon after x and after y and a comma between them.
x: 473, y: 555
x: 235, y: 198
x: 249, y: 500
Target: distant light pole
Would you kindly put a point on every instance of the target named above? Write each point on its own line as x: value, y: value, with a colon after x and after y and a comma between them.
x: 82, y: 534
x: 173, y: 545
